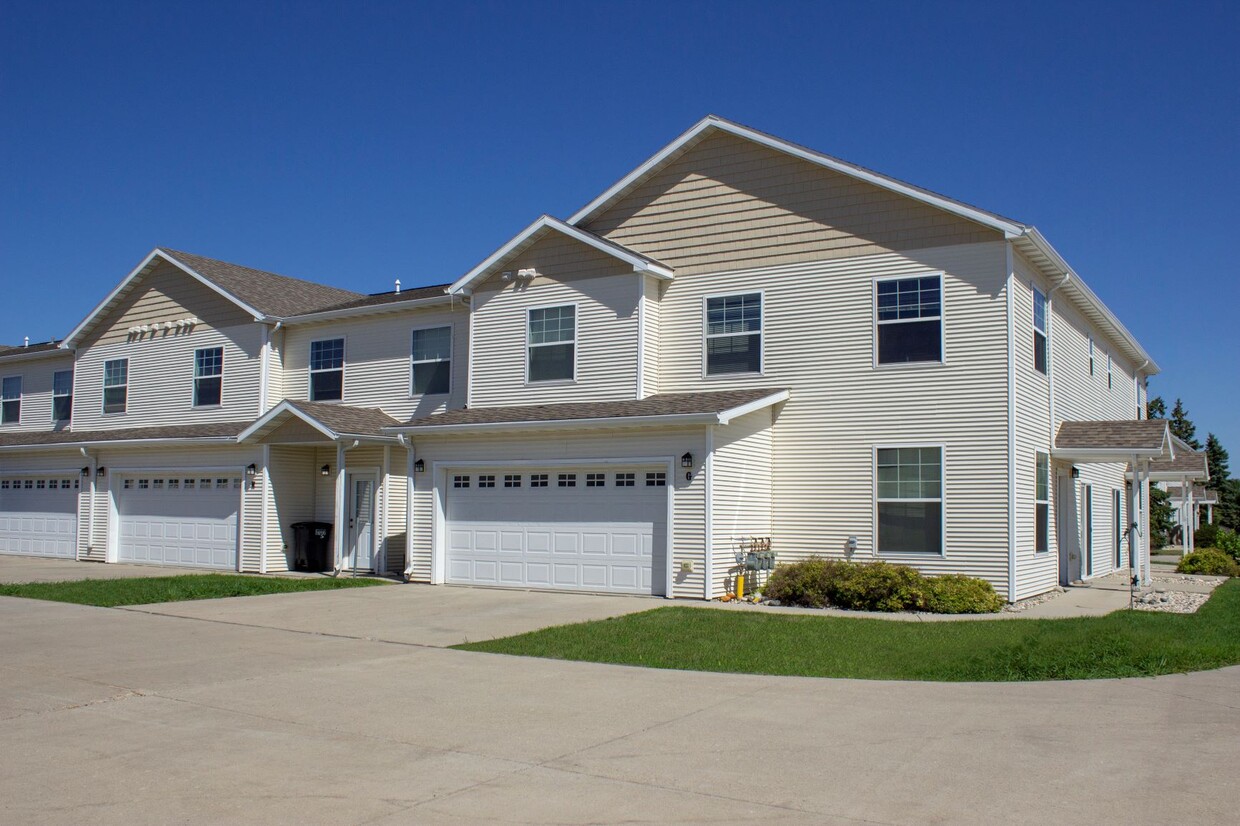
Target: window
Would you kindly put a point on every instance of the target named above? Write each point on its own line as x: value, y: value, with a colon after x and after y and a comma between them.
x: 208, y: 376
x: 174, y: 484
x: 189, y: 484
x: 1041, y: 352
x: 460, y: 481
x: 909, y: 319
x: 1091, y: 355
x: 157, y: 484
x: 1109, y: 383
x: 62, y: 395
x: 625, y: 480
x: 596, y: 480
x: 656, y: 480
x: 115, y: 385
x: 552, y: 343
x: 11, y: 400
x: 486, y: 481
x: 1042, y: 504
x: 568, y: 480
x: 910, y: 500
x: 143, y: 484
x: 734, y: 334
x: 221, y: 484
x: 432, y: 361
x: 327, y: 370
x: 512, y: 480
x: 538, y: 480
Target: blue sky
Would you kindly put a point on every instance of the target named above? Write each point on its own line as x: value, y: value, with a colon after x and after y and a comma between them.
x: 357, y: 143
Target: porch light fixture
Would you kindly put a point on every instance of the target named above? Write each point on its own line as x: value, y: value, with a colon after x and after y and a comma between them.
x: 251, y: 470
x: 326, y: 470
x: 1076, y: 472
x: 100, y: 471
x: 419, y: 466
x: 686, y: 460
x: 86, y: 471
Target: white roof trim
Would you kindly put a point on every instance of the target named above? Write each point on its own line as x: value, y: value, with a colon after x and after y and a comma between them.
x: 639, y: 262
x: 138, y: 270
x: 982, y: 217
x: 279, y: 410
x: 727, y: 416
x: 368, y: 309
x: 175, y: 442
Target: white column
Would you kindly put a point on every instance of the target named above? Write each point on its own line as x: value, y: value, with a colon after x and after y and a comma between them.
x: 341, y: 520
x: 1145, y: 525
x: 1190, y: 543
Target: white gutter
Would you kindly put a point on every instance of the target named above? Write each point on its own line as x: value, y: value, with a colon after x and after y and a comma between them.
x: 368, y: 309
x: 16, y: 355
x: 407, y: 444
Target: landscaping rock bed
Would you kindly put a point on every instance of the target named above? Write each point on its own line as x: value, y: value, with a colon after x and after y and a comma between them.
x: 1026, y: 604
x: 1171, y: 602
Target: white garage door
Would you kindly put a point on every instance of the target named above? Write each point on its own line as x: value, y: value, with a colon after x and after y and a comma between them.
x: 38, y: 516
x: 582, y: 529
x: 180, y: 520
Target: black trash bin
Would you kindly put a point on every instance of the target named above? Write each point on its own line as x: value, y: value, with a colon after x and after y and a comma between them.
x: 311, y: 546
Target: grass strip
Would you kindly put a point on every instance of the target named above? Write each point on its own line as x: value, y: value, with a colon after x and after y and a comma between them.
x: 1121, y: 644
x: 109, y: 593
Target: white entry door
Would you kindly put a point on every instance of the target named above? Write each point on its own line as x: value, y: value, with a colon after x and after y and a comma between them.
x: 360, y: 545
x: 576, y: 528
x: 38, y: 516
x: 177, y: 519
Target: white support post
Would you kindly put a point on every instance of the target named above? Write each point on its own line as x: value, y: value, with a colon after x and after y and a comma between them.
x: 340, y: 519
x: 1190, y: 519
x: 1145, y: 524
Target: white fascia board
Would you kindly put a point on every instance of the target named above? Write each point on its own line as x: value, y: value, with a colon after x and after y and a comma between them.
x: 641, y: 264
x: 285, y: 407
x: 608, y: 422
x: 188, y: 442
x: 371, y: 309
x: 1089, y: 455
x: 727, y: 416
x: 1171, y: 476
x: 1008, y: 228
x: 14, y: 357
x: 157, y: 252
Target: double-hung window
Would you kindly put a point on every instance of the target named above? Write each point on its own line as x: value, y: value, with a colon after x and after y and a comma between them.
x: 208, y: 376
x: 432, y: 361
x: 1041, y: 349
x: 62, y: 395
x: 910, y: 500
x: 909, y: 319
x: 551, y: 343
x: 327, y: 370
x: 11, y: 400
x: 1042, y: 503
x: 115, y: 385
x: 734, y: 334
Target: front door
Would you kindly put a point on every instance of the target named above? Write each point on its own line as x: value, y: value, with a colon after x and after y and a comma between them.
x: 1067, y: 533
x: 360, y: 548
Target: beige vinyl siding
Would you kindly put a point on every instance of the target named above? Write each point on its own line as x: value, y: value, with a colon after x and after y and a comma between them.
x: 36, y: 408
x: 395, y: 507
x: 606, y: 293
x: 294, y: 477
x: 275, y: 370
x: 819, y: 344
x: 728, y: 203
x: 688, y: 498
x: 325, y: 486
x: 161, y: 380
x: 741, y: 492
x: 377, y: 353
x: 251, y: 528
x: 651, y: 334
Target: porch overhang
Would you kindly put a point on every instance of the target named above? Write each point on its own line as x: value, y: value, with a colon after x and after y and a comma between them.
x: 1136, y: 440
x: 1186, y: 465
x: 331, y: 423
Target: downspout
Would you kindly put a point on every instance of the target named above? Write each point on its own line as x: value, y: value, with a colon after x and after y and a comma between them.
x: 407, y: 444
x: 1011, y: 426
x: 262, y: 528
x: 341, y: 450
x: 469, y: 357
x: 1136, y: 389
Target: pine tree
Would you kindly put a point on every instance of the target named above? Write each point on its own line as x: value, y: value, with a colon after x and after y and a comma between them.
x: 1216, y: 461
x: 1161, y: 522
x: 1183, y: 427
x: 1156, y: 408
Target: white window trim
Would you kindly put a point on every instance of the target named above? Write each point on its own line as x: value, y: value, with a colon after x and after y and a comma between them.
x: 72, y: 377
x: 1050, y: 476
x: 1110, y: 379
x: 103, y: 402
x: 874, y: 322
x: 1091, y: 354
x: 1033, y: 326
x: 451, y: 353
x: 193, y: 398
x: 706, y: 336
x: 942, y: 500
x: 21, y: 396
x: 575, y: 342
x: 310, y: 371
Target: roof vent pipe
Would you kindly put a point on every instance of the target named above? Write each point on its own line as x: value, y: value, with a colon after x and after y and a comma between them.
x: 398, y: 286
x: 26, y: 343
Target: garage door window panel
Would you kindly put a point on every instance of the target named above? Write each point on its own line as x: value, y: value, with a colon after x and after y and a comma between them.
x: 432, y: 361
x: 551, y: 343
x: 910, y: 500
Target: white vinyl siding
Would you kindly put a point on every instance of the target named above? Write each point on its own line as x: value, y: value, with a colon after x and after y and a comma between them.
x: 741, y: 485
x: 37, y: 389
x: 651, y: 335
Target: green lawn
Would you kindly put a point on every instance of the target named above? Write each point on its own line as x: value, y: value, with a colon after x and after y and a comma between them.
x: 1122, y: 644
x: 110, y: 593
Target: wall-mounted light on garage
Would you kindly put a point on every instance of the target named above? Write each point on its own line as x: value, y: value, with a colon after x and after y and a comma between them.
x: 100, y: 472
x: 419, y: 466
x: 1076, y: 472
x: 326, y: 470
x: 251, y: 470
x: 686, y: 460
x: 86, y: 471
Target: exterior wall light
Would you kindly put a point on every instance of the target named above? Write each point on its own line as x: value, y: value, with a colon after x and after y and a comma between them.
x: 419, y: 466
x: 686, y: 460
x: 251, y: 470
x: 326, y: 470
x: 1076, y: 472
x: 86, y: 471
x: 100, y: 472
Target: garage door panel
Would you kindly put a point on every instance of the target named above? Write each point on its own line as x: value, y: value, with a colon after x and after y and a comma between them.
x: 38, y: 516
x: 179, y: 521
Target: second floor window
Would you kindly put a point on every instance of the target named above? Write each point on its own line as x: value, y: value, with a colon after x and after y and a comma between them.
x: 11, y: 400
x: 115, y: 385
x: 432, y: 361
x: 909, y: 320
x: 734, y: 334
x: 327, y: 370
x: 208, y: 376
x: 1041, y: 350
x: 552, y: 343
x: 62, y: 395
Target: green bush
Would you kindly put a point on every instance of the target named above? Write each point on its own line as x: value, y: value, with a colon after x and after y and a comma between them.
x: 956, y: 594
x: 1205, y: 536
x: 1228, y: 542
x: 877, y: 586
x: 1209, y: 561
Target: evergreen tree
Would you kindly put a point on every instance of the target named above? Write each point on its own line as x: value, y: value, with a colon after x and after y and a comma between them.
x: 1216, y: 461
x: 1156, y: 408
x: 1161, y: 522
x: 1183, y: 427
x: 1227, y: 511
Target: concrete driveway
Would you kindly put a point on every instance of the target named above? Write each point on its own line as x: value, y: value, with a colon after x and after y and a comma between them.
x: 115, y: 716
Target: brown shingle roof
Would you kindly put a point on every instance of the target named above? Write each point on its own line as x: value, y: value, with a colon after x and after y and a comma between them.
x: 379, y: 299
x: 1201, y: 494
x: 69, y: 437
x: 270, y: 294
x: 1135, y: 434
x: 7, y: 350
x: 662, y: 404
x: 345, y: 420
x: 1191, y: 463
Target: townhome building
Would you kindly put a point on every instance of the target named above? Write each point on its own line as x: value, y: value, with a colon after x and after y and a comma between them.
x: 741, y: 342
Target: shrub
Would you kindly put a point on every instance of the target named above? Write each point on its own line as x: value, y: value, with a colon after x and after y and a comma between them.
x: 1210, y: 561
x: 1228, y: 542
x: 802, y: 583
x: 1205, y: 536
x: 956, y: 594
x: 877, y: 586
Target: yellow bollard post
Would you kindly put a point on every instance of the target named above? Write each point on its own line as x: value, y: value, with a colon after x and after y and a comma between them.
x: 740, y: 585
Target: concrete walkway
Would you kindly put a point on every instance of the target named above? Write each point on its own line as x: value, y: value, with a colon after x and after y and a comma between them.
x: 124, y: 717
